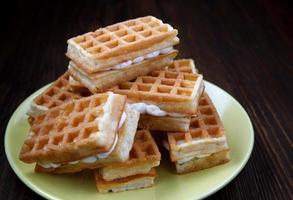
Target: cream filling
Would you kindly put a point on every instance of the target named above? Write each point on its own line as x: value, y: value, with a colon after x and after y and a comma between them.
x: 191, y: 156
x: 186, y: 159
x: 153, y: 110
x: 36, y: 109
x: 139, y: 59
x: 90, y: 159
x: 122, y: 120
x: 199, y: 148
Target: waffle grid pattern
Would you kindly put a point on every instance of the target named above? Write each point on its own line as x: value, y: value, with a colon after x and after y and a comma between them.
x: 122, y: 34
x: 165, y: 84
x: 144, y: 147
x: 58, y: 93
x: 72, y: 122
x: 206, y: 124
x: 182, y: 65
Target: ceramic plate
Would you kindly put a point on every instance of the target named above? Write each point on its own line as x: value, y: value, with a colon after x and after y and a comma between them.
x: 168, y: 185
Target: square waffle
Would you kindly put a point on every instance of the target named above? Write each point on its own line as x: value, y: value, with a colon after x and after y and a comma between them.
x: 137, y: 181
x: 100, y: 81
x: 120, y: 153
x: 205, y: 136
x: 171, y: 91
x: 143, y: 156
x: 106, y: 47
x: 74, y: 130
x: 55, y: 95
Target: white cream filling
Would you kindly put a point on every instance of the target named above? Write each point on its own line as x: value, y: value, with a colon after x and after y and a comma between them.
x: 142, y: 58
x: 199, y: 148
x: 138, y: 59
x: 91, y: 159
x: 153, y: 110
x: 36, y: 109
x: 186, y: 159
x: 122, y: 120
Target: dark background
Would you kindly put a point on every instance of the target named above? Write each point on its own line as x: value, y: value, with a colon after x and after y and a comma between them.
x: 245, y: 47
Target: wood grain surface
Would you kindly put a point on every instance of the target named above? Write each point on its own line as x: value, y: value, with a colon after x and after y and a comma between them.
x: 245, y: 47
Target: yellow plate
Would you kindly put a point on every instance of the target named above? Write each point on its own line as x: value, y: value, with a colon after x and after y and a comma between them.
x: 168, y: 185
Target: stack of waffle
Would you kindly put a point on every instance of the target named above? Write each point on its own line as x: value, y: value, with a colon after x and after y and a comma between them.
x: 121, y: 83
x: 121, y: 52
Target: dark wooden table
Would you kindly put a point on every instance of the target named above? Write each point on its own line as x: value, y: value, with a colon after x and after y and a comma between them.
x: 245, y: 47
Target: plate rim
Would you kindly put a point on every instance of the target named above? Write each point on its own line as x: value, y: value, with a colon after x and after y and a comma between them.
x: 49, y: 196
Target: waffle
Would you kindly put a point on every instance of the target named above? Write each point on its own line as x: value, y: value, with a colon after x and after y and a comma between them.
x: 55, y: 95
x: 100, y: 81
x: 74, y: 130
x: 164, y: 123
x: 205, y: 135
x: 143, y: 156
x: 176, y: 92
x: 106, y: 47
x: 183, y: 65
x: 197, y: 164
x: 120, y: 153
x: 128, y: 183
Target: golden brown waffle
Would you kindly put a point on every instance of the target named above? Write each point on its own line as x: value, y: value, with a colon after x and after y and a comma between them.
x: 137, y: 181
x: 120, y: 153
x: 172, y: 91
x: 205, y: 135
x: 144, y: 149
x: 100, y: 81
x: 56, y: 94
x: 121, y: 41
x: 143, y: 156
x: 74, y: 130
x: 183, y: 65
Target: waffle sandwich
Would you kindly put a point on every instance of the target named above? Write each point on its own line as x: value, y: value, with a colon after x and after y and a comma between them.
x: 120, y: 152
x: 137, y: 172
x: 165, y: 98
x: 204, y: 145
x: 121, y: 52
x: 77, y: 130
x: 55, y: 95
x: 100, y: 81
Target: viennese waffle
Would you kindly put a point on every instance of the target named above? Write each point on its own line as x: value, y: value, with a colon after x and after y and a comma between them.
x: 106, y: 47
x: 100, y: 81
x: 175, y: 92
x: 55, y: 95
x: 120, y: 152
x: 170, y: 123
x: 74, y: 130
x: 143, y: 156
x: 205, y: 139
x: 137, y: 172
